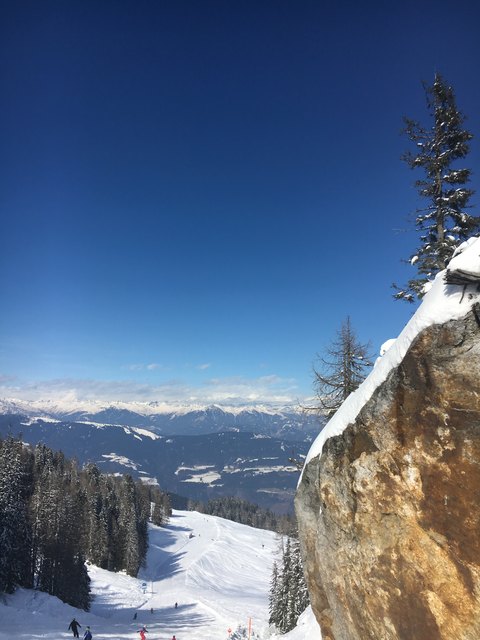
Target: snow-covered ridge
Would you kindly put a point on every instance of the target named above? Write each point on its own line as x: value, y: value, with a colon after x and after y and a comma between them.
x: 442, y: 303
x: 153, y: 419
x: 69, y: 406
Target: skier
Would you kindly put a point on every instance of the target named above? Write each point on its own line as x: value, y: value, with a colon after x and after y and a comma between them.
x: 142, y: 632
x: 74, y: 627
x: 174, y: 638
x: 88, y: 634
x: 135, y: 615
x: 176, y: 605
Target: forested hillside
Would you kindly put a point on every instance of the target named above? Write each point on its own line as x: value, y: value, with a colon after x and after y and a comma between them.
x: 55, y: 516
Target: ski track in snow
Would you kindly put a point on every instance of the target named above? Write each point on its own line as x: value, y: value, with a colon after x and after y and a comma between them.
x: 220, y: 577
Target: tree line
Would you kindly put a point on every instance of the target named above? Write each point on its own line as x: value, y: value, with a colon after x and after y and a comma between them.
x: 244, y: 512
x: 54, y: 517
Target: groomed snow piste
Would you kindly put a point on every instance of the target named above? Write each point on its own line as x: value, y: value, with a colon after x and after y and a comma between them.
x: 218, y: 572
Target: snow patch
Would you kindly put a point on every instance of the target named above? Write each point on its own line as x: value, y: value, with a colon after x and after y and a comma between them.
x: 204, y: 478
x: 200, y: 467
x: 146, y: 433
x: 125, y: 462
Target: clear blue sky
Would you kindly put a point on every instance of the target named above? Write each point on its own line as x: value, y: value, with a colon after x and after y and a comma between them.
x: 194, y: 194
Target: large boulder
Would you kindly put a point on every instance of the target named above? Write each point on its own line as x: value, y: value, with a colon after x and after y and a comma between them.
x: 389, y: 505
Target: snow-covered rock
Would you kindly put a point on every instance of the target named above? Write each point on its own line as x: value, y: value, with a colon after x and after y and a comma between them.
x: 387, y: 506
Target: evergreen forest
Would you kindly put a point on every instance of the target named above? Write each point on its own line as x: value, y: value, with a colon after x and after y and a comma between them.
x: 55, y: 517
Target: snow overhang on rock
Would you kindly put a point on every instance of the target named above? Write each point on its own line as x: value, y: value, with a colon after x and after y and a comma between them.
x: 442, y: 303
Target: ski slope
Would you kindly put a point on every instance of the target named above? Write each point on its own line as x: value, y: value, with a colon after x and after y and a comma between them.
x: 218, y: 572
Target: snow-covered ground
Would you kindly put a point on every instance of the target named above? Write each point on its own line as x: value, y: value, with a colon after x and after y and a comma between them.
x: 216, y: 570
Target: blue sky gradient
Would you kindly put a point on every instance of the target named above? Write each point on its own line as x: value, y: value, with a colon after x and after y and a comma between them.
x: 194, y: 195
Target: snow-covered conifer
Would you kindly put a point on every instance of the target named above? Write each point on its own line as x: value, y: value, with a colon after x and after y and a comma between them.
x: 301, y: 599
x: 273, y: 599
x: 288, y: 596
x: 443, y: 223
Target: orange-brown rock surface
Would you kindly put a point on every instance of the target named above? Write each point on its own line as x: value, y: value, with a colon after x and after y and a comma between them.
x: 389, y: 514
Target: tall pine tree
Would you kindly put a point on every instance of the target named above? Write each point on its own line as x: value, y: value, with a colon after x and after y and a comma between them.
x: 443, y: 223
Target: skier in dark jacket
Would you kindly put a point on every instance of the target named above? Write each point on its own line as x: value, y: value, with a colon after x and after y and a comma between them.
x: 87, y: 634
x: 74, y: 627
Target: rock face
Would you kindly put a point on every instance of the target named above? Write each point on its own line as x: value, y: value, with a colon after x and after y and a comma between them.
x: 389, y: 514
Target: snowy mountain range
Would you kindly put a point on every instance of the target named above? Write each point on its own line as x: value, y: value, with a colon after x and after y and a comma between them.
x: 288, y: 423
x: 198, y: 454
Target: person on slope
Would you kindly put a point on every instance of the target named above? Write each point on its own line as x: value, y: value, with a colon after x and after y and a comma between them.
x: 74, y: 627
x: 142, y: 632
x: 88, y: 634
